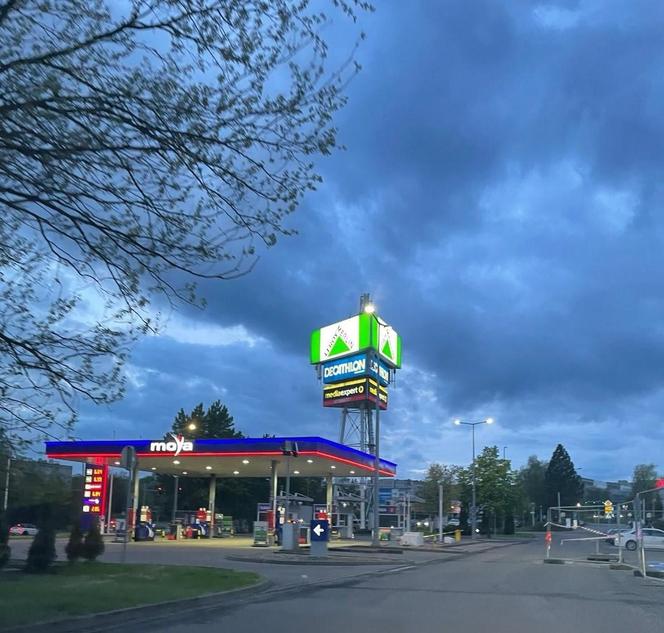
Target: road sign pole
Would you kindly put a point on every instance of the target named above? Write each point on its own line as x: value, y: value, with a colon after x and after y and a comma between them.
x: 642, y: 512
x: 440, y: 512
x: 619, y: 536
x: 128, y: 461
x: 110, y: 503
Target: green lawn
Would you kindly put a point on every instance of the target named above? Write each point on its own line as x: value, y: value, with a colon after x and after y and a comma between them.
x: 93, y: 587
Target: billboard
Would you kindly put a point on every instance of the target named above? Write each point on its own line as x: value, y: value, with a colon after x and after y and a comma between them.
x: 377, y: 394
x: 389, y: 344
x: 353, y: 335
x: 356, y: 391
x: 94, y: 492
x: 355, y: 366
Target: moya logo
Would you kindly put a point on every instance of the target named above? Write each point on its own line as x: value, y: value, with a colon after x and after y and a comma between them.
x: 178, y: 445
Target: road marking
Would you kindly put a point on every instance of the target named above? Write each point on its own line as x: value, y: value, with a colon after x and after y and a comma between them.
x: 396, y: 569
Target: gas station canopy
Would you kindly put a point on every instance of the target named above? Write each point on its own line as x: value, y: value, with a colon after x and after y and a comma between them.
x: 244, y: 457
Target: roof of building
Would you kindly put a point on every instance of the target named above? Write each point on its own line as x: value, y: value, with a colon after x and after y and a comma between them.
x: 243, y: 457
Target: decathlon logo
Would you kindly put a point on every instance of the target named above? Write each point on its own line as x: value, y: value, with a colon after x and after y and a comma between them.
x: 176, y: 446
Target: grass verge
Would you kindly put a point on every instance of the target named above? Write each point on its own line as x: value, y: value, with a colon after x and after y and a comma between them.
x: 85, y: 588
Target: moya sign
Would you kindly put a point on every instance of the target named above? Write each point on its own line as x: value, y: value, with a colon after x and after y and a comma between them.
x: 176, y: 446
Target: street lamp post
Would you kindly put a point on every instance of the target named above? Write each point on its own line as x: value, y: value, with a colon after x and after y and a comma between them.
x: 367, y: 306
x: 473, y: 508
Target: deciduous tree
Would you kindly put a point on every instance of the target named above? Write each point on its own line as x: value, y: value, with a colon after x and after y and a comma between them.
x: 144, y: 145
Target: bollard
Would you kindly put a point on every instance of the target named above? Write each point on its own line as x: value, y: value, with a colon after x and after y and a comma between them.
x: 457, y: 536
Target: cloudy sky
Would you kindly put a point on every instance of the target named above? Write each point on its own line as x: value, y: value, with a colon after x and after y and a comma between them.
x: 501, y: 199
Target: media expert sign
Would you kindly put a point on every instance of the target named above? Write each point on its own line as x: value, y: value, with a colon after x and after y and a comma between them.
x: 355, y: 367
x: 359, y: 333
x: 363, y: 389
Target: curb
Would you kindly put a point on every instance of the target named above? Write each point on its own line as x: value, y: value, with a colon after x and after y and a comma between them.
x: 118, y: 617
x: 320, y: 561
x: 649, y: 574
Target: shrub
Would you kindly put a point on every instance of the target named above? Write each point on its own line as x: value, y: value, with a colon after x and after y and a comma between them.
x: 42, y: 550
x: 74, y: 547
x: 93, y: 545
x: 5, y: 550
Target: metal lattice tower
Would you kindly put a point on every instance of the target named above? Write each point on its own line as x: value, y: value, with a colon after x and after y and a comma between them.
x: 357, y: 430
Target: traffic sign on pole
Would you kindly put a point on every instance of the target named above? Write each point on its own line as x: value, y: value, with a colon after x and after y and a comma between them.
x: 320, y: 530
x: 608, y: 507
x: 319, y: 535
x: 128, y: 457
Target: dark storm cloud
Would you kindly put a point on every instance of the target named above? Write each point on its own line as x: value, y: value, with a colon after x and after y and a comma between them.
x: 501, y: 199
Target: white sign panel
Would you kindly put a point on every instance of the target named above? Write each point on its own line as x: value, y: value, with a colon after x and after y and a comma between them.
x: 387, y: 343
x: 340, y: 339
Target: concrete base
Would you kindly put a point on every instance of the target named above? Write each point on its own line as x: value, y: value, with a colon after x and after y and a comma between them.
x: 318, y: 549
x: 289, y: 537
x: 412, y: 539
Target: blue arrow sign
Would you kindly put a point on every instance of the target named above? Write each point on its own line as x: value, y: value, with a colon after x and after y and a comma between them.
x: 320, y: 530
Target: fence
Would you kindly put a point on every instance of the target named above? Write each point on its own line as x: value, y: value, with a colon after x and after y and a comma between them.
x: 585, y: 533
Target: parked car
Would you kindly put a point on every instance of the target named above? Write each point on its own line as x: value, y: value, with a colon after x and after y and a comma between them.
x: 23, y: 529
x: 612, y: 534
x: 652, y: 539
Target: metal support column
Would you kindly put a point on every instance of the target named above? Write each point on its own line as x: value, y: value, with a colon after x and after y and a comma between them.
x: 274, y: 491
x: 136, y: 495
x: 376, y: 480
x: 329, y: 496
x: 212, y: 501
x: 176, y: 481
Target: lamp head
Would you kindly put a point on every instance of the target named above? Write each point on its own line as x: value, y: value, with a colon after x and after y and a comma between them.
x: 457, y: 422
x: 489, y: 420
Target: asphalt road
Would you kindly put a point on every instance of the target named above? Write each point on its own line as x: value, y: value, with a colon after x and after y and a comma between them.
x: 504, y: 590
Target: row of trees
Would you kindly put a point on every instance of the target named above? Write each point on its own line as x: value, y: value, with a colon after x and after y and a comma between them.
x: 503, y: 493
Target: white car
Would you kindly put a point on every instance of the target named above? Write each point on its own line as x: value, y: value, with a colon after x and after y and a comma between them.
x: 23, y: 529
x: 652, y: 539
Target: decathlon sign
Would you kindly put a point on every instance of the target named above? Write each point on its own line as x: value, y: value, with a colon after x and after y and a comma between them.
x: 176, y: 446
x: 354, y: 367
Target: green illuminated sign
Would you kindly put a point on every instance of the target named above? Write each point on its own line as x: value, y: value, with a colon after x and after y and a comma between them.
x: 356, y: 334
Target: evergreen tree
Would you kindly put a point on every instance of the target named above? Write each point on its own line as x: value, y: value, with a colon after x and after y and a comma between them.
x: 5, y: 550
x: 42, y: 550
x: 74, y: 548
x: 561, y: 477
x: 93, y: 544
x: 216, y: 422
